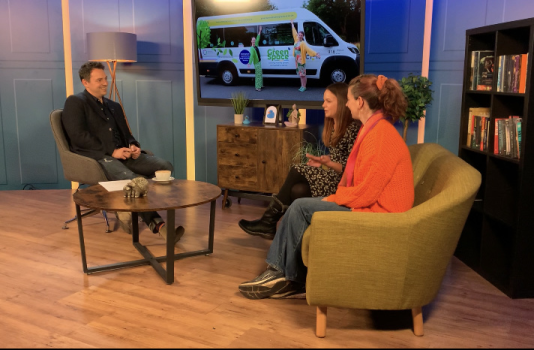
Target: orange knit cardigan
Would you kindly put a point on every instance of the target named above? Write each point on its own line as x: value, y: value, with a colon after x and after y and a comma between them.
x: 383, y: 175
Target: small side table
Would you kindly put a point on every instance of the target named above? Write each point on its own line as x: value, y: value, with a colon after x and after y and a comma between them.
x: 177, y: 194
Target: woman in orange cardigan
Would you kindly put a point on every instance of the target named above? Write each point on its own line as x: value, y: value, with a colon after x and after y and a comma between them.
x: 378, y: 178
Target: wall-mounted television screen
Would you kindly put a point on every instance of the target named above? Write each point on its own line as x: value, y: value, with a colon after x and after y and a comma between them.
x: 271, y: 49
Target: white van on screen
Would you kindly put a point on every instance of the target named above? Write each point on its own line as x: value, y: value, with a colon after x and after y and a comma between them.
x: 224, y: 41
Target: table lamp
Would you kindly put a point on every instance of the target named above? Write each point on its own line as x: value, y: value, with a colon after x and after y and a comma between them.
x: 112, y: 47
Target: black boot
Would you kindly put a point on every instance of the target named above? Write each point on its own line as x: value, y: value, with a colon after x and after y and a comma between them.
x: 266, y: 226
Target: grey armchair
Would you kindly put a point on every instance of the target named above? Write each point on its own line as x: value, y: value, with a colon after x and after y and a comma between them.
x: 76, y: 168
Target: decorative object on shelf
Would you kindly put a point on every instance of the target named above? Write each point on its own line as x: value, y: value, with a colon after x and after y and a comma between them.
x: 315, y: 148
x: 136, y: 188
x: 293, y: 116
x: 246, y: 121
x: 271, y: 114
x: 419, y: 95
x: 239, y: 102
x: 112, y: 47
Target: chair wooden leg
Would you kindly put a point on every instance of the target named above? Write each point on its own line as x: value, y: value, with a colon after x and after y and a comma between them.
x: 417, y: 316
x: 320, y: 330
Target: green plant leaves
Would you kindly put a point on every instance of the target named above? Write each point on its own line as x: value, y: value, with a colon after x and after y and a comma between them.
x: 417, y: 90
x: 239, y: 101
x: 316, y: 148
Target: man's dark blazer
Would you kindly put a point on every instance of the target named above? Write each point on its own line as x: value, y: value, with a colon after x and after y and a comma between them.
x: 87, y: 128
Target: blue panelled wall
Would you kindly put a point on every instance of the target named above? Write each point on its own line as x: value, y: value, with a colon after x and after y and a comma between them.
x: 32, y: 79
x: 394, y: 42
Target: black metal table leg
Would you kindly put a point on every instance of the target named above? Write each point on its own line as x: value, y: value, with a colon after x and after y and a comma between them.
x: 212, y: 227
x: 80, y: 234
x: 170, y: 246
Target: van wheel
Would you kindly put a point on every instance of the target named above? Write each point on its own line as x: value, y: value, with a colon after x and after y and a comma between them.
x: 228, y: 75
x: 337, y: 75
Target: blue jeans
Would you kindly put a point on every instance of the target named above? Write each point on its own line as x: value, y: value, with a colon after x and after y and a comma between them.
x: 144, y: 165
x: 284, y: 254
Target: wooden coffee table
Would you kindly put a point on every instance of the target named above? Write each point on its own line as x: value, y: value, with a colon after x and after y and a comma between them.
x: 177, y: 194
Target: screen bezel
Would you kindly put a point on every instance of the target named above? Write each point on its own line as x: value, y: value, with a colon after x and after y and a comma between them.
x: 226, y: 102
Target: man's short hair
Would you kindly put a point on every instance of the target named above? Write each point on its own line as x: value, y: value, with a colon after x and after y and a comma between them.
x: 87, y: 68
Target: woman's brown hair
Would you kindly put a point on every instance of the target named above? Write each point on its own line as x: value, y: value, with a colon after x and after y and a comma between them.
x: 387, y: 95
x: 341, y: 120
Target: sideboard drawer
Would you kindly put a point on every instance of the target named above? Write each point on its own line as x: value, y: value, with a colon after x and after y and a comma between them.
x: 236, y: 154
x: 244, y: 178
x: 235, y: 134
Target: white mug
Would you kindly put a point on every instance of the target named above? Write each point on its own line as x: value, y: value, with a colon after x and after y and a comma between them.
x: 163, y: 175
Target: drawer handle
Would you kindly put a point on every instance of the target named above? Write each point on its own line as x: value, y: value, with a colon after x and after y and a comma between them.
x: 263, y: 162
x: 236, y: 135
x: 237, y: 177
x: 237, y: 154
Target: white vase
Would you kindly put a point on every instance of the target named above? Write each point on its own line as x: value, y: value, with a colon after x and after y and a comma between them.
x: 238, y: 118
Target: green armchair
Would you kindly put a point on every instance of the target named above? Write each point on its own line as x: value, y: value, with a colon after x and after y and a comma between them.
x: 393, y: 261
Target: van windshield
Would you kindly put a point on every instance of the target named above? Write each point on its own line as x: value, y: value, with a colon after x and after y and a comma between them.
x: 316, y: 33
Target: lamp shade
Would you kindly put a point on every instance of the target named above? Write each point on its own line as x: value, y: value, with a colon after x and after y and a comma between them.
x: 112, y: 46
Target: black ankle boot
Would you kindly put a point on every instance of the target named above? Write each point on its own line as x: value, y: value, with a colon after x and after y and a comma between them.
x: 266, y: 226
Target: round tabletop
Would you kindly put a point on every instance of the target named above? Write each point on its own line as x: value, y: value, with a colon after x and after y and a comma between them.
x: 161, y: 196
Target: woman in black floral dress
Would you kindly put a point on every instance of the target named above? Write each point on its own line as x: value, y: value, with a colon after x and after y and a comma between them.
x: 321, y: 175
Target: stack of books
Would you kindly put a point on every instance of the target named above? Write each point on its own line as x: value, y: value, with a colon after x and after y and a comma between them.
x: 507, y: 139
x: 478, y: 127
x: 512, y: 73
x: 482, y: 64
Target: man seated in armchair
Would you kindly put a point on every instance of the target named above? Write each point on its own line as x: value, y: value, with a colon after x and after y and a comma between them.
x: 97, y: 128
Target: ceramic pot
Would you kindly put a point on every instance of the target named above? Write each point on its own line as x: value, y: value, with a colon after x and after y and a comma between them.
x: 238, y: 118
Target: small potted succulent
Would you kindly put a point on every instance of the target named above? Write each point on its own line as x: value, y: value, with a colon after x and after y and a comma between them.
x: 239, y: 102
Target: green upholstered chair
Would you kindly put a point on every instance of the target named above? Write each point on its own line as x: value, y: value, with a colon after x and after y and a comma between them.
x: 392, y: 261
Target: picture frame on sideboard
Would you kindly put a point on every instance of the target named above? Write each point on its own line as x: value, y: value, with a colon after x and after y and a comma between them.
x: 271, y: 115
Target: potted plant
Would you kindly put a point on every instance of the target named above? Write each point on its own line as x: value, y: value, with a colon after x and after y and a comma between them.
x: 419, y: 95
x: 309, y: 145
x: 239, y: 101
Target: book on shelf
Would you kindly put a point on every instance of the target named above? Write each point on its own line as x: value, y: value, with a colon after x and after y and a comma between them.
x: 516, y: 123
x: 518, y: 128
x: 482, y: 65
x: 523, y: 73
x: 500, y: 132
x: 500, y: 63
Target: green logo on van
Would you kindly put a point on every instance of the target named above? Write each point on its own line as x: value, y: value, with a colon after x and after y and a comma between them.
x: 276, y: 55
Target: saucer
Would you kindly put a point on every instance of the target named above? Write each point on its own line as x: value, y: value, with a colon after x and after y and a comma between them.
x: 163, y: 181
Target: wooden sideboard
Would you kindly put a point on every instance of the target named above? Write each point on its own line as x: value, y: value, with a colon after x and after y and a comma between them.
x: 256, y: 158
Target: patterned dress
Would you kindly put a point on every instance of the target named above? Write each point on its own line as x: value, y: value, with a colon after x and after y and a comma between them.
x: 324, y: 182
x: 301, y: 68
x: 258, y: 80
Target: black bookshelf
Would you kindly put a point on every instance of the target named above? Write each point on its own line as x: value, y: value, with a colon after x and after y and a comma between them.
x: 498, y: 238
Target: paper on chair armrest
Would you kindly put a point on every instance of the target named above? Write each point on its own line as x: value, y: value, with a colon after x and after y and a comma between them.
x: 114, y: 185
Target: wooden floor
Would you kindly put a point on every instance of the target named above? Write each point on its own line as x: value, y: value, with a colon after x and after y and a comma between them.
x: 47, y: 301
